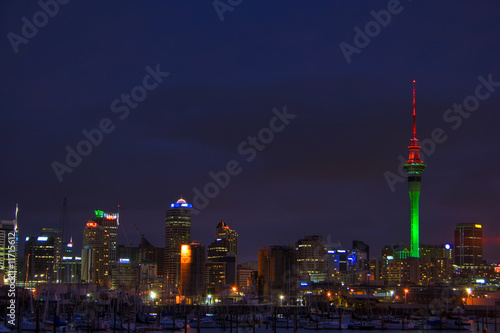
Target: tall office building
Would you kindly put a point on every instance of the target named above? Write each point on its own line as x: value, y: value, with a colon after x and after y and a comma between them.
x: 222, y: 231
x: 311, y: 255
x: 192, y: 282
x: 99, y: 248
x: 222, y: 258
x: 110, y: 222
x: 177, y: 232
x: 468, y: 244
x: 8, y: 232
x: 43, y: 257
x: 277, y: 273
x: 414, y: 167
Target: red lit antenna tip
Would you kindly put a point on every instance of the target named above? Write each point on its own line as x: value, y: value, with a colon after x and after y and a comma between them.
x: 413, y: 81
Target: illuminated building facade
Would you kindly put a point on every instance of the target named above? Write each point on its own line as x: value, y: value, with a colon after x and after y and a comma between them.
x: 222, y: 259
x: 215, y: 276
x: 99, y: 254
x: 43, y: 257
x: 414, y: 167
x: 217, y: 249
x: 222, y: 231
x: 110, y: 223
x: 177, y: 232
x: 468, y: 244
x: 311, y: 255
x: 125, y: 274
x: 7, y: 229
x: 192, y: 283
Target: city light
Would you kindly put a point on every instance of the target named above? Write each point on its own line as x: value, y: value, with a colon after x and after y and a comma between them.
x: 152, y: 294
x: 91, y: 224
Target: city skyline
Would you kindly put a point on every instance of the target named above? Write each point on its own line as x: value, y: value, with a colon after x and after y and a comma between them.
x: 212, y: 83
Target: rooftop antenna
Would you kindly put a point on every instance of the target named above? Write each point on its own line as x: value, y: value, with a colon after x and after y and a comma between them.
x: 414, y: 114
x: 15, y: 217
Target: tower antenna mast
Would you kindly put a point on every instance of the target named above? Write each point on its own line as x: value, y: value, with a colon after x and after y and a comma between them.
x: 414, y: 114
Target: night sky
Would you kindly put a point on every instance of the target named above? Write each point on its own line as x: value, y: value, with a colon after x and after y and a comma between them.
x: 322, y: 171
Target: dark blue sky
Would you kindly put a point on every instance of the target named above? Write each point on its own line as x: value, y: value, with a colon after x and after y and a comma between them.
x: 322, y: 174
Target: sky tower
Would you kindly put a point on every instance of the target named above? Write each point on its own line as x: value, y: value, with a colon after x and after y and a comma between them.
x: 414, y: 168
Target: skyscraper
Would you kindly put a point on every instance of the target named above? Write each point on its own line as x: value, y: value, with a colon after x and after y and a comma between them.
x: 311, y: 255
x: 99, y: 248
x: 277, y: 272
x: 8, y: 258
x: 177, y: 232
x: 8, y: 230
x: 222, y: 231
x: 468, y: 244
x: 414, y: 167
x: 43, y: 256
x: 192, y: 282
x: 222, y: 256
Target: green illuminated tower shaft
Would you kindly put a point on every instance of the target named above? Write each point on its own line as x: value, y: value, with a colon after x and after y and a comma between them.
x: 414, y: 167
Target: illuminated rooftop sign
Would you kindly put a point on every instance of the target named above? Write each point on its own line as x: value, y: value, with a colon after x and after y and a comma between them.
x: 91, y: 224
x: 42, y: 238
x: 124, y: 261
x: 181, y: 205
x: 107, y: 216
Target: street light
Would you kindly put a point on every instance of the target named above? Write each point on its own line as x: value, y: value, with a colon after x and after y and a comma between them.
x: 469, y: 291
x: 209, y: 298
x: 406, y: 292
x: 152, y: 294
x: 281, y: 299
